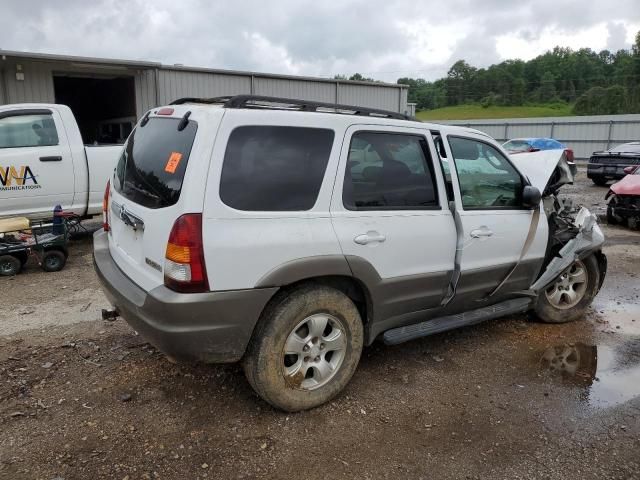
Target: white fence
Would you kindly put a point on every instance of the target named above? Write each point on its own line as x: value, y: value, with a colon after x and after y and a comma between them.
x: 584, y: 135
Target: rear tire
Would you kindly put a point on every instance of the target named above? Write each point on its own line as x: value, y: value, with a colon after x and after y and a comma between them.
x: 601, y: 182
x: 9, y: 266
x: 53, y: 261
x: 568, y: 298
x: 305, y: 348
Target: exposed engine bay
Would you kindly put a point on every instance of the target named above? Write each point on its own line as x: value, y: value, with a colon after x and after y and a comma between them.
x: 574, y: 232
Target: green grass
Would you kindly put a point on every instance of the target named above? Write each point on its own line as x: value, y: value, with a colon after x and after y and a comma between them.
x: 472, y: 112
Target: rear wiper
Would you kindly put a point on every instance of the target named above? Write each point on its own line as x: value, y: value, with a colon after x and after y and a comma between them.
x: 184, y: 121
x: 145, y: 119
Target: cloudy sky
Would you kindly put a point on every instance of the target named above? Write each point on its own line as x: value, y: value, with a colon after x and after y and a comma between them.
x: 384, y: 39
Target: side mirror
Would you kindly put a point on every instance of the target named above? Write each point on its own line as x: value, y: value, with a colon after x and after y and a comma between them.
x: 629, y: 170
x: 530, y: 197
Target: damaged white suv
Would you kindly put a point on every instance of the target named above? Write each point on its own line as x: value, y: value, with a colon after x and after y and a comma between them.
x: 288, y: 235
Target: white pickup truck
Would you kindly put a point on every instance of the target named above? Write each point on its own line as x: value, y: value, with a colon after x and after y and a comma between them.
x: 43, y: 163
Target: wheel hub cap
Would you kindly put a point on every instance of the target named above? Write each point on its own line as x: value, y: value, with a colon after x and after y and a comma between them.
x: 570, y: 287
x: 314, y: 351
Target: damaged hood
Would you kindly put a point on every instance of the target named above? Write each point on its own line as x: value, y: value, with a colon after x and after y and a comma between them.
x: 629, y: 185
x: 547, y: 168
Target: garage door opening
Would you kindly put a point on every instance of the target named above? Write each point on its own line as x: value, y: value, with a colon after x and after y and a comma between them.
x: 105, y: 107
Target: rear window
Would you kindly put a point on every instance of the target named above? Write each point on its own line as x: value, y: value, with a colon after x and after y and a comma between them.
x: 151, y: 169
x: 627, y: 148
x: 268, y: 168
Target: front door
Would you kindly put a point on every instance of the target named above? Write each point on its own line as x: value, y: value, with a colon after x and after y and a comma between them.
x: 488, y: 191
x: 389, y: 213
x: 36, y: 168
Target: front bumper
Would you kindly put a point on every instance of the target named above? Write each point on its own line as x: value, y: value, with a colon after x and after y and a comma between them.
x: 212, y: 327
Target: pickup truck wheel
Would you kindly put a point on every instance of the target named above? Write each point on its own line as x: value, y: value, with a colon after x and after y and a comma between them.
x: 53, y: 261
x: 305, y: 348
x: 568, y: 297
x: 9, y: 266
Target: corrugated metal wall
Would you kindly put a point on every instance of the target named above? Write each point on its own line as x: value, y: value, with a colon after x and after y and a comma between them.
x: 3, y: 97
x: 584, y: 135
x: 163, y: 84
x: 37, y: 85
x: 371, y: 96
x: 146, y: 94
x: 174, y: 84
x: 299, y: 89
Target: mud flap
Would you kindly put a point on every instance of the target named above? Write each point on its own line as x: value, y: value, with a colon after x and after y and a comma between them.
x: 588, y: 240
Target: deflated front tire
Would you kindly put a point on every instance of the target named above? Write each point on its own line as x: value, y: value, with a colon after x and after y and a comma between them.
x: 569, y: 296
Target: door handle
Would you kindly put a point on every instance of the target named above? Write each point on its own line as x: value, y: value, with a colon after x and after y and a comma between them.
x: 481, y: 232
x: 53, y: 158
x: 369, y: 237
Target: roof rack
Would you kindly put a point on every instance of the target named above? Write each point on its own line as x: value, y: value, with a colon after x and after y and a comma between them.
x: 276, y: 103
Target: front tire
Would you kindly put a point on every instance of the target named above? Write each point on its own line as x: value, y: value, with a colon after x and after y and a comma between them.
x: 305, y: 348
x: 568, y: 298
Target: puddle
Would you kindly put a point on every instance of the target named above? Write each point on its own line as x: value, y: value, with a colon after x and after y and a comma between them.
x: 621, y: 315
x: 608, y: 375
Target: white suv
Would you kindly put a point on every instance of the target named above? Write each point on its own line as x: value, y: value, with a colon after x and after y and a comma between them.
x: 288, y: 234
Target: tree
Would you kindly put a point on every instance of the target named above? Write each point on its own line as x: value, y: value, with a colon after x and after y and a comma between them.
x: 561, y: 74
x: 547, y: 90
x: 518, y: 91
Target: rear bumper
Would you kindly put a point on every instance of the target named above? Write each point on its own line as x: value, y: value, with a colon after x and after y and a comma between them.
x: 212, y: 327
x: 605, y: 172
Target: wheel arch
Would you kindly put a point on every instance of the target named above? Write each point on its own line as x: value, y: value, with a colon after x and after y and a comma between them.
x: 328, y: 270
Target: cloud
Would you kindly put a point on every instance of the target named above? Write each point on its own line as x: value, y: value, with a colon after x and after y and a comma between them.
x: 617, y: 38
x: 384, y: 39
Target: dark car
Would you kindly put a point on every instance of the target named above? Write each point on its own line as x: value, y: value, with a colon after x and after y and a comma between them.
x: 527, y: 145
x: 610, y: 165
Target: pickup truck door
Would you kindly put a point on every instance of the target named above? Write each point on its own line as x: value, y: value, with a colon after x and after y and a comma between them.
x: 36, y: 167
x: 390, y: 214
x: 495, y: 225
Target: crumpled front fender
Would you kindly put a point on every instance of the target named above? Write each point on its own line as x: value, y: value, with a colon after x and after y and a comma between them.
x: 589, y: 239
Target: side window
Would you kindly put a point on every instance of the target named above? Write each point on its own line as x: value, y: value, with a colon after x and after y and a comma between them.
x: 487, y: 179
x: 388, y: 171
x: 268, y: 168
x: 37, y: 130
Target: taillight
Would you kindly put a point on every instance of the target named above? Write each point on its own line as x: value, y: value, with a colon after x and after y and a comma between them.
x: 569, y: 153
x: 184, y: 268
x: 105, y: 207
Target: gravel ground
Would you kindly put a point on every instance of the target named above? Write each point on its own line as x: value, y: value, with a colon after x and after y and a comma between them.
x: 81, y: 398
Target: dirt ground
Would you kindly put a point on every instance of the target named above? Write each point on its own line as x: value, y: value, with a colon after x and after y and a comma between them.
x: 81, y: 398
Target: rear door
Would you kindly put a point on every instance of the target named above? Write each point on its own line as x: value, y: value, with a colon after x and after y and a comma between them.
x: 161, y: 175
x: 36, y: 167
x: 488, y: 192
x: 390, y: 214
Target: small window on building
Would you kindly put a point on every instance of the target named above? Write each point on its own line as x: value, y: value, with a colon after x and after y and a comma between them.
x: 388, y: 171
x: 269, y: 168
x: 37, y: 130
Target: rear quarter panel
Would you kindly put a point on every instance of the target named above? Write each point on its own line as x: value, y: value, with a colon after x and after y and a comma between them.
x: 242, y: 247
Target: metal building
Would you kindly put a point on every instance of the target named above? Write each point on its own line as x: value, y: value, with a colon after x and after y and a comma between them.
x: 108, y: 95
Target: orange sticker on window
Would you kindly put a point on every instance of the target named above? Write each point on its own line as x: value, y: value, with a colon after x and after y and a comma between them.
x: 173, y: 162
